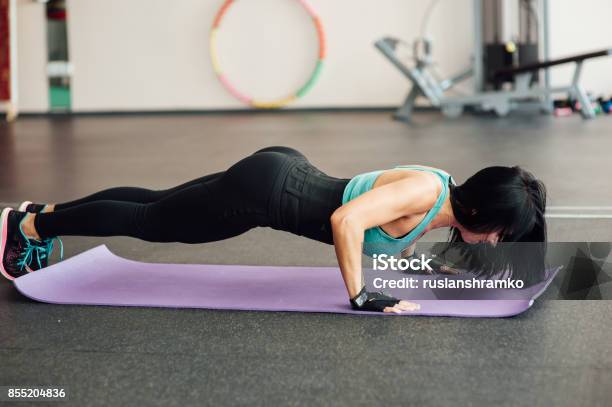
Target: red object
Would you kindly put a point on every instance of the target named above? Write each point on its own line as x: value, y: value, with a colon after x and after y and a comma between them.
x: 56, y: 14
x: 5, y: 51
x: 563, y: 111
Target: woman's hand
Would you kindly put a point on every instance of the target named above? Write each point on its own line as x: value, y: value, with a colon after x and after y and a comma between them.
x: 438, y: 266
x: 379, y: 302
x: 403, y: 306
x: 444, y: 269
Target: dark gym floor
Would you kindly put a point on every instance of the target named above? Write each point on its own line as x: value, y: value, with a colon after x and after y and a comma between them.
x: 557, y: 353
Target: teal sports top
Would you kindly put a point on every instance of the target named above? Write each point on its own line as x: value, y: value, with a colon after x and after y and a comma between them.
x: 376, y: 240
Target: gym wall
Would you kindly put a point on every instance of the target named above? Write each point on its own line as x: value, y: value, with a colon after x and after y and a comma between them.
x: 577, y: 27
x: 126, y: 58
x: 153, y: 55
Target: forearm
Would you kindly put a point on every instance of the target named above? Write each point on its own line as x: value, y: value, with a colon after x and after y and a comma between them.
x: 348, y: 240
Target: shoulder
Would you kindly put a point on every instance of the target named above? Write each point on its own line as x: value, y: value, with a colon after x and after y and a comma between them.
x: 423, y: 180
x: 419, y: 189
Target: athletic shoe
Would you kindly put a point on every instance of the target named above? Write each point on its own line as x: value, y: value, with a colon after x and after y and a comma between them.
x: 19, y: 254
x: 43, y: 260
x: 30, y: 207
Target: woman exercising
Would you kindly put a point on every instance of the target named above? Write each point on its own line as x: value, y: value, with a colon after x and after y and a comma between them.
x: 376, y: 212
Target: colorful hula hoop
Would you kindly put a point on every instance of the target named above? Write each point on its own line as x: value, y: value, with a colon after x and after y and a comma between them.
x: 275, y: 103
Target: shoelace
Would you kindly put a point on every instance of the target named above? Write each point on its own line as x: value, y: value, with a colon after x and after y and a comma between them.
x: 38, y: 250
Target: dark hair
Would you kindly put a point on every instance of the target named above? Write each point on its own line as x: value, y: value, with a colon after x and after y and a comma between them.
x: 509, y: 200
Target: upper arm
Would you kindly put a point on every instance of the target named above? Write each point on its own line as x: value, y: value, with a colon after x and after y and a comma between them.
x: 411, y: 195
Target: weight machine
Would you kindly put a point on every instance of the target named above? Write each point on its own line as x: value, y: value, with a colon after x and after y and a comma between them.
x: 511, y: 48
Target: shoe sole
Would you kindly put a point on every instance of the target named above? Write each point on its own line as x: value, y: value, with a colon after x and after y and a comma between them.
x: 24, y: 206
x: 3, y: 238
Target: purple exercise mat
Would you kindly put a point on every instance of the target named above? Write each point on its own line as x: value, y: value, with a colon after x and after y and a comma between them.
x: 99, y: 277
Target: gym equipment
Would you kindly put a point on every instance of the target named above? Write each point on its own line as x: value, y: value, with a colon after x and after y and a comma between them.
x: 495, y: 64
x: 98, y: 277
x: 275, y: 103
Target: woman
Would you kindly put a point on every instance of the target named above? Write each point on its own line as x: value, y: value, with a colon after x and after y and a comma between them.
x: 376, y: 212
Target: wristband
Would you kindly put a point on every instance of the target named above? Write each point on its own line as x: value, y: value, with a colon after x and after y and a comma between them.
x: 360, y: 299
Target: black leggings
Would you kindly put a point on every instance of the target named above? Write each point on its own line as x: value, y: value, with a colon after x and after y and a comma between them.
x: 275, y: 187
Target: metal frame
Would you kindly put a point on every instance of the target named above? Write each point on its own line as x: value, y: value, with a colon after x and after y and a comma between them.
x: 547, y: 103
x: 423, y: 83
